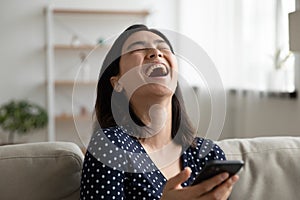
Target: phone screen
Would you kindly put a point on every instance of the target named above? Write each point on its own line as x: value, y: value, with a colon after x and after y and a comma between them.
x: 216, y: 167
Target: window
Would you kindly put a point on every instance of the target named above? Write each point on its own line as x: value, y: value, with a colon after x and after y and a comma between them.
x: 246, y: 39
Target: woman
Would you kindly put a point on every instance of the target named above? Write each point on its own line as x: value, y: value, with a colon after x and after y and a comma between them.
x: 144, y: 146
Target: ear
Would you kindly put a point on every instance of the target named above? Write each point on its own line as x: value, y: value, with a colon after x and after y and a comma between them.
x: 114, y: 81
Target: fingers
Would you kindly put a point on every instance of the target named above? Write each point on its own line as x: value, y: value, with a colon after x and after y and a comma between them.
x: 208, y: 185
x: 218, y: 187
x: 224, y: 190
x: 176, y: 181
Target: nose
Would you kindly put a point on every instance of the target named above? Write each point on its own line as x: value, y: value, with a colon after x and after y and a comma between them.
x: 154, y: 53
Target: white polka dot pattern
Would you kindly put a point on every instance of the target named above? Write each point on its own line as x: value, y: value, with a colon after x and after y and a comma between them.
x: 126, y: 175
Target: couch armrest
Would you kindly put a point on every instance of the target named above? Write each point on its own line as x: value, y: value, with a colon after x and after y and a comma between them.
x: 272, y: 169
x: 40, y: 171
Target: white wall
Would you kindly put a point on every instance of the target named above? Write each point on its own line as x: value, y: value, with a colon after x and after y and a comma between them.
x: 22, y: 51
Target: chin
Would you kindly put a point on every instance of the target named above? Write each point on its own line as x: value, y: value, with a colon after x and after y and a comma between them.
x: 153, y: 89
x: 159, y: 90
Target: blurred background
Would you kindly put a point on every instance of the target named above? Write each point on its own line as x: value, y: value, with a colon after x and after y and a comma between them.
x: 51, y: 53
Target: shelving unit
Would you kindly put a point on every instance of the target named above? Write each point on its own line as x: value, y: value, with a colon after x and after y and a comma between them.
x: 70, y: 118
x: 61, y: 51
x: 101, y: 12
x: 71, y: 83
x: 70, y: 47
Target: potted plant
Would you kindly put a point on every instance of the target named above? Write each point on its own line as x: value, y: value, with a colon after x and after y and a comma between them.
x: 21, y: 117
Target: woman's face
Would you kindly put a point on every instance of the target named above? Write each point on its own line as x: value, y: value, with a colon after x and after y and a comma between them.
x: 147, y: 66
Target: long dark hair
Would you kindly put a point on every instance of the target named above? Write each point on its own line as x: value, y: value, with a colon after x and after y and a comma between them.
x: 104, y: 102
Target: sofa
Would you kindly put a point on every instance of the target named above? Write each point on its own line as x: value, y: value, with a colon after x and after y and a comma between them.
x: 40, y: 171
x: 272, y: 167
x: 51, y: 170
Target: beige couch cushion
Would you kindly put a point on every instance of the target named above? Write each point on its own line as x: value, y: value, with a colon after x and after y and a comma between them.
x: 45, y: 171
x: 272, y: 167
x: 40, y: 171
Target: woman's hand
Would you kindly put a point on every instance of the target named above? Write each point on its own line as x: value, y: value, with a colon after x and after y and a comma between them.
x: 215, y: 188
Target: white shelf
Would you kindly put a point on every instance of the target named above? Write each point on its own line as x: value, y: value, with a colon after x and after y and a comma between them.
x: 78, y: 47
x: 59, y: 51
x: 72, y: 83
x: 66, y: 117
x: 101, y: 12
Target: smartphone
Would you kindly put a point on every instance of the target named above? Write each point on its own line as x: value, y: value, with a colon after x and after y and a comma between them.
x: 215, y: 167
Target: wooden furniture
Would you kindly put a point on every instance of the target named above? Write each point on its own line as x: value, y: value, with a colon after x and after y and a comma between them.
x: 75, y: 36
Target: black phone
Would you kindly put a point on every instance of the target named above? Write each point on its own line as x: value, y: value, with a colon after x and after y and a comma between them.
x: 215, y: 167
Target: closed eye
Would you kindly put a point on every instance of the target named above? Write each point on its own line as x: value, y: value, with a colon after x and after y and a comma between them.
x: 164, y: 49
x: 141, y: 50
x: 144, y: 50
x: 136, y: 46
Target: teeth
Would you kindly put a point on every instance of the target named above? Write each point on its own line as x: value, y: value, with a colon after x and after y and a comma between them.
x: 151, y: 69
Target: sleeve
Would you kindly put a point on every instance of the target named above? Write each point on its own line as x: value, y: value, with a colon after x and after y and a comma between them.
x: 208, y: 150
x: 103, y: 172
x: 99, y: 181
x: 218, y: 153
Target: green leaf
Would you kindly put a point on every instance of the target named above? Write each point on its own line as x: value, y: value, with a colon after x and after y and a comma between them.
x: 22, y: 116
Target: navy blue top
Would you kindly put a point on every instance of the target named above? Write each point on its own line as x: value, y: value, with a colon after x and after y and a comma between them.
x: 116, y: 166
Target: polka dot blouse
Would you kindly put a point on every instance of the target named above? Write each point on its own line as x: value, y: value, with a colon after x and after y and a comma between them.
x: 116, y: 166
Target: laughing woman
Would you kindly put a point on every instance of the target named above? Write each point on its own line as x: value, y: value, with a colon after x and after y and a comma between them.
x: 144, y: 146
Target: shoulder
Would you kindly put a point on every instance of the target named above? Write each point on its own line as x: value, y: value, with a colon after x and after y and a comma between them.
x: 207, y: 148
x: 115, y: 132
x: 112, y: 137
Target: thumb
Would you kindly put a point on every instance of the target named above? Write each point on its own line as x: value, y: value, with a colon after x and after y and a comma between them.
x: 175, y: 182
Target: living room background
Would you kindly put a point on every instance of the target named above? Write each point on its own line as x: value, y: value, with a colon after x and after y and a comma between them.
x: 23, y: 67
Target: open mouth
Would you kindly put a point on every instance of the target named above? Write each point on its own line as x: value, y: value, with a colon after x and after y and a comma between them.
x: 156, y: 70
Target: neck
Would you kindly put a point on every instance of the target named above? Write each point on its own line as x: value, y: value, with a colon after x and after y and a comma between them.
x: 157, y: 116
x: 158, y: 141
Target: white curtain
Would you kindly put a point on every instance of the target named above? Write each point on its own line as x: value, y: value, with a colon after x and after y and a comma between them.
x: 246, y: 39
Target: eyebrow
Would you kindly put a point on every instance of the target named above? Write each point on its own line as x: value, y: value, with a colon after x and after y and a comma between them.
x: 143, y: 43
